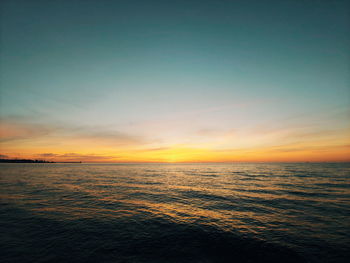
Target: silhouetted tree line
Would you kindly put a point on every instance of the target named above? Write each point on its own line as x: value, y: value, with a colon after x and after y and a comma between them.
x: 23, y: 161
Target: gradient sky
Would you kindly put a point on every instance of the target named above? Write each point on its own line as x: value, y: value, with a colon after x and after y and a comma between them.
x: 175, y: 81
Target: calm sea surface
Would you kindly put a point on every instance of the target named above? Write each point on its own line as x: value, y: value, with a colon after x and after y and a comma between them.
x: 175, y: 213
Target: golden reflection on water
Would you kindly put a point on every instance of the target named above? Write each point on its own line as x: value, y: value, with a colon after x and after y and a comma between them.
x: 247, y: 197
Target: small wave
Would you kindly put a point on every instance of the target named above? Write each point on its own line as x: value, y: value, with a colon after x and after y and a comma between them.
x: 154, y: 240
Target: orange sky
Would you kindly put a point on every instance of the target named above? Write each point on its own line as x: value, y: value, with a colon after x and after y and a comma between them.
x: 21, y: 139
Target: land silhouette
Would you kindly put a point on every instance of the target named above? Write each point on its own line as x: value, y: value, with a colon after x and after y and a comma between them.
x: 29, y: 161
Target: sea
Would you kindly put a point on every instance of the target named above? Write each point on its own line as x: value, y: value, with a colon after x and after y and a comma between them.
x: 198, y: 212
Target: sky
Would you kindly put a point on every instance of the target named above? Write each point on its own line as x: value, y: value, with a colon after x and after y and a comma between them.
x: 175, y: 81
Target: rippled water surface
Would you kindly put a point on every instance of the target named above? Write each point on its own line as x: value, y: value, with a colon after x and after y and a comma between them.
x: 175, y: 212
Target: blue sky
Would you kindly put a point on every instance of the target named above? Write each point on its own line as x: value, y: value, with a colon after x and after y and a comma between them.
x: 166, y: 70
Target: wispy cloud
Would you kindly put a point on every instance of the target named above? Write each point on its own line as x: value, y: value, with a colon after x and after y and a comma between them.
x: 285, y: 140
x: 13, y: 131
x: 22, y: 130
x: 77, y: 157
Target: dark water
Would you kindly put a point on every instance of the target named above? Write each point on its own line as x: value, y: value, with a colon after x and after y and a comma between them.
x: 175, y: 213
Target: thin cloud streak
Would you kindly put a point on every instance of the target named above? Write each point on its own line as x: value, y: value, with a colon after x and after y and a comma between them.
x: 13, y: 131
x: 66, y: 157
x: 104, y: 144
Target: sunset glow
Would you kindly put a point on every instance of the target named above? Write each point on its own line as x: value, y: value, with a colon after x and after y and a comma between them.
x: 115, y: 83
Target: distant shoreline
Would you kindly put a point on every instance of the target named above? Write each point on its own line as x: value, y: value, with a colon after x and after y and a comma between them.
x: 166, y: 163
x: 29, y: 161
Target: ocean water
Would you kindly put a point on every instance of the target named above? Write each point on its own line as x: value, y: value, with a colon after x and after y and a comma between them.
x: 241, y: 212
